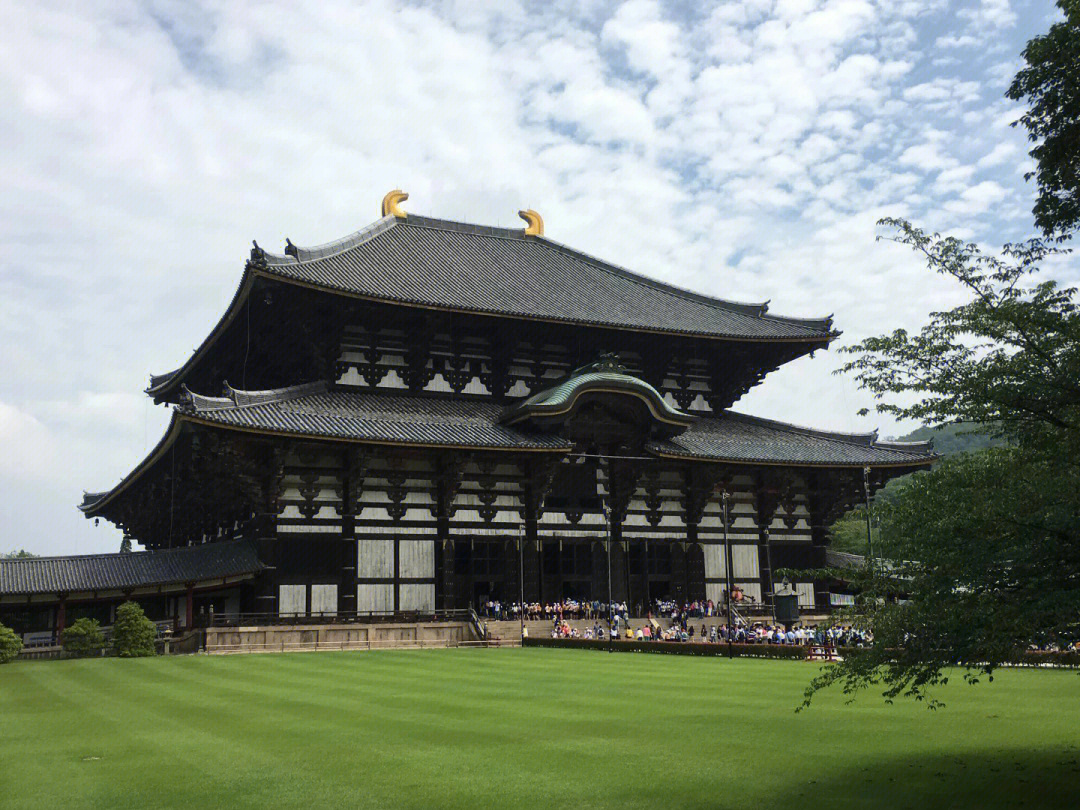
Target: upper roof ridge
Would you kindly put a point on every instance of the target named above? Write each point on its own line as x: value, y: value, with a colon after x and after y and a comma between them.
x: 294, y: 254
x: 240, y: 398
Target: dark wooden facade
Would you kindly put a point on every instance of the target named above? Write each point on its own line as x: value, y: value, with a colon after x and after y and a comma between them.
x: 408, y: 455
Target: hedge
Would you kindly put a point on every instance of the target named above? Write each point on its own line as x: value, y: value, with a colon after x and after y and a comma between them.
x: 1029, y: 658
x: 788, y: 651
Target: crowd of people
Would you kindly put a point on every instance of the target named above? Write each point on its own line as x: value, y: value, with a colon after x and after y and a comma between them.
x: 573, y: 609
x: 758, y: 633
x: 567, y: 609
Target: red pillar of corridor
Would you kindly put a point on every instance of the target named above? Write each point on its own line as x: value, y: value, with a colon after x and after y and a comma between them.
x: 61, y: 616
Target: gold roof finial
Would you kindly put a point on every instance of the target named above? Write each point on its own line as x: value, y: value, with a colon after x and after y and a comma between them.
x: 390, y: 203
x: 534, y: 222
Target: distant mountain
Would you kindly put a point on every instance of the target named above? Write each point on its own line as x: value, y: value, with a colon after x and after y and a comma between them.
x: 952, y: 439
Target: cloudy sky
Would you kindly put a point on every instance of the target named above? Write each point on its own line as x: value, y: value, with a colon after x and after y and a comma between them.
x: 742, y: 149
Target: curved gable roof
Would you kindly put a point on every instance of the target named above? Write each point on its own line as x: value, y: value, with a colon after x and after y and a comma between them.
x: 457, y: 266
x: 453, y: 266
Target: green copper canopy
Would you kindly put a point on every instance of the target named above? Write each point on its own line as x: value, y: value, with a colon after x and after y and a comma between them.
x: 605, y: 375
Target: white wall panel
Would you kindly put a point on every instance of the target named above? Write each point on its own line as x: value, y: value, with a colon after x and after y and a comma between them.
x: 324, y: 599
x: 715, y: 561
x: 417, y: 597
x: 374, y: 598
x: 292, y: 600
x: 375, y: 559
x: 416, y: 559
x: 806, y: 593
x: 744, y: 562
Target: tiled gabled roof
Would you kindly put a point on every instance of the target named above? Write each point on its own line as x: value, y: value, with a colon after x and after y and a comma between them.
x: 317, y: 411
x: 739, y: 437
x: 107, y: 572
x: 458, y: 266
x: 314, y: 410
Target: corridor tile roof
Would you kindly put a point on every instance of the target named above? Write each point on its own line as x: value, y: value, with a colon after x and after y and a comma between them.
x: 103, y: 572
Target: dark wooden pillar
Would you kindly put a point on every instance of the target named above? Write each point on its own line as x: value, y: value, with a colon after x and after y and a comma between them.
x: 352, y: 488
x: 532, y: 560
x: 695, y: 570
x: 679, y: 584
x: 449, y: 594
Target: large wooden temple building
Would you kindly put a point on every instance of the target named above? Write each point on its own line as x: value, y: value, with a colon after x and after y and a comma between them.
x: 428, y: 413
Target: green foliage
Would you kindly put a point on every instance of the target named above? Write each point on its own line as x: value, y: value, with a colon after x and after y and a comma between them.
x: 1009, y: 359
x: 848, y: 533
x: 18, y: 554
x: 954, y: 438
x: 985, y: 546
x: 83, y: 637
x: 133, y: 634
x: 983, y: 549
x: 1050, y: 83
x: 125, y: 545
x: 10, y: 644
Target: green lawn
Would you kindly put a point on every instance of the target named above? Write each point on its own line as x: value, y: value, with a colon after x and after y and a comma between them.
x: 549, y: 729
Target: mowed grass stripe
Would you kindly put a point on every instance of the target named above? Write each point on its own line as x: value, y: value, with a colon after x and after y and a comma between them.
x: 516, y: 728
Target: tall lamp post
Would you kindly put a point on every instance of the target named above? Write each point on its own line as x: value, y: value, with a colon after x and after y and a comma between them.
x: 607, y: 533
x: 521, y: 578
x: 869, y: 534
x: 727, y: 573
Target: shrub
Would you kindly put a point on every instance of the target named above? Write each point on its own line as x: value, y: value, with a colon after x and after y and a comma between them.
x: 83, y: 637
x: 133, y: 634
x: 789, y: 651
x: 10, y: 644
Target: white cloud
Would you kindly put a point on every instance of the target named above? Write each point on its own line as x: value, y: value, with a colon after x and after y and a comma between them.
x: 27, y: 448
x: 1001, y: 153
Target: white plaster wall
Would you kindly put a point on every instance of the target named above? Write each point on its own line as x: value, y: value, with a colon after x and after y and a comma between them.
x: 324, y: 599
x: 374, y: 598
x: 375, y: 559
x: 416, y: 597
x: 715, y: 563
x: 416, y: 559
x: 744, y: 562
x: 292, y: 599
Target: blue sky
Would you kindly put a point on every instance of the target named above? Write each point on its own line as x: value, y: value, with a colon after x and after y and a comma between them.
x: 741, y: 149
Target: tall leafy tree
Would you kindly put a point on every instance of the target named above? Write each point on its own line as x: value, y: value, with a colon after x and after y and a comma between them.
x: 985, y: 548
x: 1050, y: 83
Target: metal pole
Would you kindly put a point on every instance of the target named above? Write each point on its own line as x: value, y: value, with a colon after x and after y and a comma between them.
x: 869, y: 534
x: 772, y: 579
x: 521, y: 578
x: 607, y: 527
x: 727, y: 575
